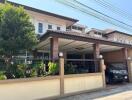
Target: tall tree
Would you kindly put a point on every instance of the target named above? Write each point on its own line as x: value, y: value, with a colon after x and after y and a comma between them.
x: 16, y: 30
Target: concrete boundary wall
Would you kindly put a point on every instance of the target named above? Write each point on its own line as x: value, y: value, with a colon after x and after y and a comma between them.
x: 83, y: 83
x: 30, y: 90
x: 49, y: 87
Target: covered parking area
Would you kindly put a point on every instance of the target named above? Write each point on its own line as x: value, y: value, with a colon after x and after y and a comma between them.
x: 84, y: 51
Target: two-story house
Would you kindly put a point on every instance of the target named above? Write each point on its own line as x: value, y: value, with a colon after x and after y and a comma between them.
x: 71, y: 37
x: 77, y: 47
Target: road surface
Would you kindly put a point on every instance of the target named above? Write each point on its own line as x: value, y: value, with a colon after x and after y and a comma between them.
x: 116, y: 92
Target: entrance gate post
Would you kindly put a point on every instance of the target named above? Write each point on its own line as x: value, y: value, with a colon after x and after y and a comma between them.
x: 102, y: 69
x: 61, y: 72
x: 129, y: 65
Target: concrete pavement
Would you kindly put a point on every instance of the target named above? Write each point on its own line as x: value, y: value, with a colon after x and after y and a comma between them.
x: 116, y: 92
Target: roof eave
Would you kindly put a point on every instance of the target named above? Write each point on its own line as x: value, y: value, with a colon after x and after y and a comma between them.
x: 80, y: 38
x: 42, y: 12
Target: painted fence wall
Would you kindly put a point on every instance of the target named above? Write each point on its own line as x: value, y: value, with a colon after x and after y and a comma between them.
x: 83, y: 83
x: 30, y: 90
x: 49, y: 87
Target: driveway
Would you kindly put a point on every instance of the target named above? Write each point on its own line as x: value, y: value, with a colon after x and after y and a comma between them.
x: 116, y: 92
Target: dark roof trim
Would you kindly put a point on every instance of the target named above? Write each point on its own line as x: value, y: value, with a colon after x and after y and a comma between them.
x: 41, y: 11
x: 81, y: 38
x: 118, y: 32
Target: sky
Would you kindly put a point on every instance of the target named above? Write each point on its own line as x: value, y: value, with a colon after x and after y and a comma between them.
x: 85, y: 19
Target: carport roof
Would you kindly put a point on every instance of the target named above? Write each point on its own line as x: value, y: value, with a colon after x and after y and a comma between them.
x: 81, y: 37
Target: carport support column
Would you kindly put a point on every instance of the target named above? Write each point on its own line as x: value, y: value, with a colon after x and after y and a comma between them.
x: 128, y: 63
x: 125, y: 53
x: 54, y: 48
x: 96, y: 53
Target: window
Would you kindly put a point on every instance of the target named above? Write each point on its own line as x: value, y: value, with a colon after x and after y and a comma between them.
x: 80, y: 29
x: 99, y: 33
x: 49, y: 26
x: 95, y: 33
x: 58, y: 28
x: 77, y: 28
x: 74, y: 27
x: 68, y: 27
x: 40, y: 27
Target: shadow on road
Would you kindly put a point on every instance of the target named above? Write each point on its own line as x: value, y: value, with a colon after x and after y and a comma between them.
x: 111, y: 90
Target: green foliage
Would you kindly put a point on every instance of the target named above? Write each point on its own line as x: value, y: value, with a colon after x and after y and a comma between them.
x: 16, y: 31
x: 39, y: 64
x: 2, y: 75
x: 20, y: 71
x: 40, y: 67
x: 34, y: 72
x: 25, y: 71
x: 53, y: 68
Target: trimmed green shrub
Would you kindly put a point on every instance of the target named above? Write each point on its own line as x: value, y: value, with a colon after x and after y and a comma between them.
x: 2, y: 75
x: 34, y: 72
x: 53, y: 68
x: 40, y: 67
x: 20, y: 71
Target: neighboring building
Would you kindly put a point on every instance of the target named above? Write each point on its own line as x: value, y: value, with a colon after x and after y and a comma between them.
x: 96, y: 33
x: 112, y: 35
x: 120, y: 37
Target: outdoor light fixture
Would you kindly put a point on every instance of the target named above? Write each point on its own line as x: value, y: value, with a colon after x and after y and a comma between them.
x: 12, y: 62
x: 100, y: 56
x: 129, y: 58
x: 60, y: 54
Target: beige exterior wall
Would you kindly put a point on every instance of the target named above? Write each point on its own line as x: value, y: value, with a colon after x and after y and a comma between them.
x: 113, y: 56
x: 46, y: 20
x: 78, y: 31
x: 30, y: 90
x: 130, y: 53
x: 120, y: 38
x: 83, y: 83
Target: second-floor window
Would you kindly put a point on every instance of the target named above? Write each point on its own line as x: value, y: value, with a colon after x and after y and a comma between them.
x: 49, y: 26
x: 80, y: 29
x: 40, y: 27
x: 58, y: 28
x: 77, y: 28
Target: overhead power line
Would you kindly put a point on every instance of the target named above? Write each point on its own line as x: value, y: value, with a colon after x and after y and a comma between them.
x: 102, y: 13
x: 114, y: 9
x: 94, y: 13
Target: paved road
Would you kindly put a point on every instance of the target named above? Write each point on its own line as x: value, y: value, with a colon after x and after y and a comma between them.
x: 118, y: 92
